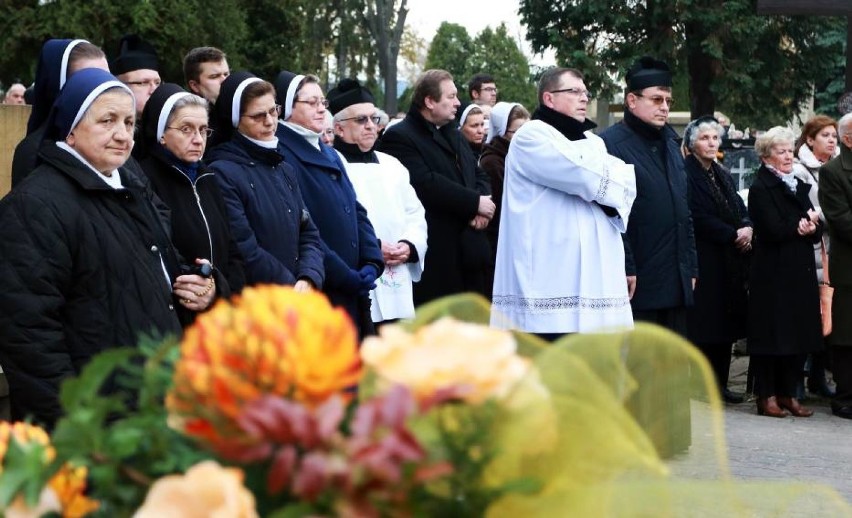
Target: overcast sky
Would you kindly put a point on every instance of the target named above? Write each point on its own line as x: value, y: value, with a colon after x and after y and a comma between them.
x: 426, y: 15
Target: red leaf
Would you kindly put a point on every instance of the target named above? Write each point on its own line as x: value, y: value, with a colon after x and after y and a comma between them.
x: 435, y: 471
x: 281, y: 470
x: 310, y: 480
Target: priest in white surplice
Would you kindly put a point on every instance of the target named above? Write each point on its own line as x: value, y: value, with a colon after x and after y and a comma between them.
x: 560, y: 258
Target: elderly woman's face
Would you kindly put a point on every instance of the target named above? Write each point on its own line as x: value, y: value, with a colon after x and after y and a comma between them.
x: 104, y: 135
x: 186, y: 133
x: 309, y: 108
x: 706, y: 145
x: 781, y: 157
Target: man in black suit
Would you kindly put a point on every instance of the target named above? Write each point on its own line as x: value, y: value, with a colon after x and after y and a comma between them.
x: 453, y: 189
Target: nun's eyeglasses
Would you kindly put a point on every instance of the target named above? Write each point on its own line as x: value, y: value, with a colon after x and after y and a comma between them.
x: 313, y: 102
x: 189, y: 131
x: 273, y: 112
x: 362, y: 119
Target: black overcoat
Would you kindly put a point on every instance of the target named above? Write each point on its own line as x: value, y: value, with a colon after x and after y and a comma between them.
x: 835, y: 199
x: 659, y: 245
x: 783, y: 309
x: 81, y: 271
x: 719, y: 313
x: 448, y: 181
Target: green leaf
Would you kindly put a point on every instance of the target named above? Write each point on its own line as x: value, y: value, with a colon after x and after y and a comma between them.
x: 297, y: 510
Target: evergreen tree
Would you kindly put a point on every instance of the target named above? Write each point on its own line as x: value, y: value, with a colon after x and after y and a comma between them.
x: 759, y: 69
x: 450, y: 50
x: 497, y: 54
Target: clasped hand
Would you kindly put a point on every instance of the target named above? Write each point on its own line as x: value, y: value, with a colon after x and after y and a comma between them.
x: 395, y: 253
x: 194, y: 291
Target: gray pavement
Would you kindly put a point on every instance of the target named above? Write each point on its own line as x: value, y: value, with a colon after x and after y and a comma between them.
x: 817, y: 449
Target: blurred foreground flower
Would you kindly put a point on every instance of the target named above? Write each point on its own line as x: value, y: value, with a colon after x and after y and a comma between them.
x: 368, y: 468
x: 25, y: 455
x: 207, y: 490
x: 447, y: 354
x: 270, y: 340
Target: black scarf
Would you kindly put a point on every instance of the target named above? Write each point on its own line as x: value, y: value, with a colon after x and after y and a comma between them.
x: 353, y: 154
x: 641, y: 127
x: 570, y: 127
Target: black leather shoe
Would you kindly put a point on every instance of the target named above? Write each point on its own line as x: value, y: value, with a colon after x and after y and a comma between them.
x: 844, y: 411
x: 732, y: 397
x: 820, y: 388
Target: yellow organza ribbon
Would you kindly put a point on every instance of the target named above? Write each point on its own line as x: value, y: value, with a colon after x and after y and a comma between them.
x: 630, y: 424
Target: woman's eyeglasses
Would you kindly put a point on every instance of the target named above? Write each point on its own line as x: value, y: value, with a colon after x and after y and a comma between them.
x: 188, y: 131
x: 362, y: 119
x: 314, y: 102
x: 273, y: 112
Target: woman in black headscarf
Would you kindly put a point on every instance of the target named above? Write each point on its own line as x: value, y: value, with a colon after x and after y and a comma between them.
x: 723, y: 235
x: 174, y: 136
x: 58, y: 61
x: 269, y: 221
x: 86, y: 265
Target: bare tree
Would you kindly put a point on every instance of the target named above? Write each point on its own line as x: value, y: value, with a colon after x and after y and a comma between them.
x: 385, y: 21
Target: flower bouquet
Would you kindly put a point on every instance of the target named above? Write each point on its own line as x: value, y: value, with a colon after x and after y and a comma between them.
x: 269, y: 407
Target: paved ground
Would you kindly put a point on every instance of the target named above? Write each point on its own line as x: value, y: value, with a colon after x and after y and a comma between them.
x: 816, y: 449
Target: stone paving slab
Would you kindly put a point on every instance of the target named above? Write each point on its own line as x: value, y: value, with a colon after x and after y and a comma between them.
x: 817, y: 449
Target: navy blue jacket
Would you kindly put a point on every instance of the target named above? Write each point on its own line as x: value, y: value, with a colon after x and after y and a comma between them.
x: 269, y: 220
x: 659, y: 245
x: 348, y: 236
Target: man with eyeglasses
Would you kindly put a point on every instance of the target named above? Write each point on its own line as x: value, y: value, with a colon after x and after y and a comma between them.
x: 482, y: 90
x: 560, y: 258
x: 454, y: 190
x: 382, y: 186
x: 659, y: 245
x: 136, y: 66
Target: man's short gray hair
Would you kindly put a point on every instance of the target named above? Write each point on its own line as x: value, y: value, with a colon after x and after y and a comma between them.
x: 775, y: 136
x: 844, y: 126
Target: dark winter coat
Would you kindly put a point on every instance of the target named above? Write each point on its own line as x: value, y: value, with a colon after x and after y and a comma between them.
x: 80, y: 272
x: 493, y: 162
x: 273, y: 230
x: 784, y: 299
x: 659, y: 245
x: 349, y: 241
x: 835, y: 199
x: 448, y: 181
x: 199, y: 220
x: 720, y: 311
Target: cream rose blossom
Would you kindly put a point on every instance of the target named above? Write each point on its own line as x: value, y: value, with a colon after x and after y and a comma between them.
x: 447, y: 353
x: 207, y: 490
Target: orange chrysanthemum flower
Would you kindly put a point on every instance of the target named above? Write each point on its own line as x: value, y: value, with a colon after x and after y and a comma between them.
x: 269, y: 340
x: 24, y: 433
x: 65, y: 489
x: 69, y: 484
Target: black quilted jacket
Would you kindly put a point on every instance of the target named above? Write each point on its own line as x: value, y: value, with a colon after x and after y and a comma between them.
x: 83, y: 268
